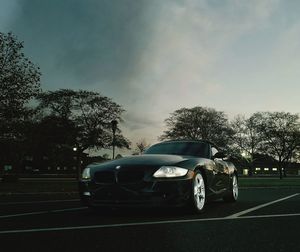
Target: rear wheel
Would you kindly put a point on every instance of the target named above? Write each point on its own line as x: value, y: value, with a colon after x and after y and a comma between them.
x: 233, y: 193
x: 198, y: 199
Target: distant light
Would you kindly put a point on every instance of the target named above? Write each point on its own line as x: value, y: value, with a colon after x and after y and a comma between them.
x: 244, y: 154
x: 74, y: 149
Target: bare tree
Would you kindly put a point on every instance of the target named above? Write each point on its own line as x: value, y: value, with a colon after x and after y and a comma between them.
x: 91, y: 114
x: 280, y: 134
x: 142, y: 145
x: 246, y: 139
x: 198, y: 123
x: 19, y: 78
x: 19, y: 84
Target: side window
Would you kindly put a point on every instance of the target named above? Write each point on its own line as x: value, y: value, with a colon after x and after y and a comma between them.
x: 205, y: 151
x: 213, y: 151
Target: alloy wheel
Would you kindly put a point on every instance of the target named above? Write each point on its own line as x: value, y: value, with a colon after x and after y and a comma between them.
x: 199, y: 191
x: 235, y: 188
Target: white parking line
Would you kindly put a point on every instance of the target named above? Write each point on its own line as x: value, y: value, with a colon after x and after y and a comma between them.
x: 42, y: 212
x: 142, y: 224
x: 267, y: 216
x: 37, y: 202
x: 259, y: 206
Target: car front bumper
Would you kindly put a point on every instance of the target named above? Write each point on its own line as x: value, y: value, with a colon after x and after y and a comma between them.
x: 156, y: 193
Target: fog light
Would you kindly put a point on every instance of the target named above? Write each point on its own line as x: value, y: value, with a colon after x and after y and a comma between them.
x: 87, y: 194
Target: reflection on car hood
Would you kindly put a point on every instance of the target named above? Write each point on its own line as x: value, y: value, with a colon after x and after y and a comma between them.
x: 147, y: 160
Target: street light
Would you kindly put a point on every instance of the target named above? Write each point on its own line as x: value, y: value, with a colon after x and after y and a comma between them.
x: 114, y: 124
x: 75, y: 149
x: 248, y: 157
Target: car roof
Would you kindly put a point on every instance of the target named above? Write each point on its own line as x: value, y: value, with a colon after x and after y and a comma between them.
x: 188, y: 140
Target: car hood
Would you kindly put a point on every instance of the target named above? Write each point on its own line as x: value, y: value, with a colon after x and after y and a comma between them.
x: 147, y: 160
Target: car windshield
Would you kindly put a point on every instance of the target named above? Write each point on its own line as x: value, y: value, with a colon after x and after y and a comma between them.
x: 199, y: 149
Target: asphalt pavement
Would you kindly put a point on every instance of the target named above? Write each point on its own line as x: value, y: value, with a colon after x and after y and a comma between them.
x: 263, y: 219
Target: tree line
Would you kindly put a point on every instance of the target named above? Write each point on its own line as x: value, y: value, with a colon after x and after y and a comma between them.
x: 38, y: 123
x: 47, y: 123
x: 276, y: 134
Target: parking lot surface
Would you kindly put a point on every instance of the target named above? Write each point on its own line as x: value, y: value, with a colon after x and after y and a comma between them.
x: 264, y: 219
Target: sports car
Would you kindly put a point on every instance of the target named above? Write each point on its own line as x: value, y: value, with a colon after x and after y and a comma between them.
x: 172, y: 173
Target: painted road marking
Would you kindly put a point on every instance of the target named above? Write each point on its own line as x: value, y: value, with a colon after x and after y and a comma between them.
x: 81, y: 208
x: 42, y: 212
x: 142, y: 224
x: 37, y: 202
x: 259, y: 206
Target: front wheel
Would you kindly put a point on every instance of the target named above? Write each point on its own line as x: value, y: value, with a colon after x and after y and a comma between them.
x: 198, y: 199
x: 233, y: 193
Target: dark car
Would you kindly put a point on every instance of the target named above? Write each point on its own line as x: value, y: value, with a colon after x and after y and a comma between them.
x: 172, y: 173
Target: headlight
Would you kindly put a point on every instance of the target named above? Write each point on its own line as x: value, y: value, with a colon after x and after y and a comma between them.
x: 86, y: 175
x: 170, y: 172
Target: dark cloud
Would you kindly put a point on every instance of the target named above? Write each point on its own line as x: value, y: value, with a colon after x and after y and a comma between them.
x: 80, y: 43
x: 155, y: 56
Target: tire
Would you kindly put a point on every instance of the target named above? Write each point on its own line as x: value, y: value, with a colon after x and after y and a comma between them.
x: 233, y: 193
x: 198, y: 197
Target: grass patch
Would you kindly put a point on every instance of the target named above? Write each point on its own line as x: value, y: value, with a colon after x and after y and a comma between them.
x: 38, y: 186
x: 71, y: 185
x: 269, y: 182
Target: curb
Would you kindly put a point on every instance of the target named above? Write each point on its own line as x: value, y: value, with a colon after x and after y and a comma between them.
x: 36, y: 193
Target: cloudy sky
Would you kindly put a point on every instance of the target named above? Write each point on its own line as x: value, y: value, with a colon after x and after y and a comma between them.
x: 155, y: 56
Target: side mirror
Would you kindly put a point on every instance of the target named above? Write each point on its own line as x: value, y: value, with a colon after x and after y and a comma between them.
x: 220, y: 155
